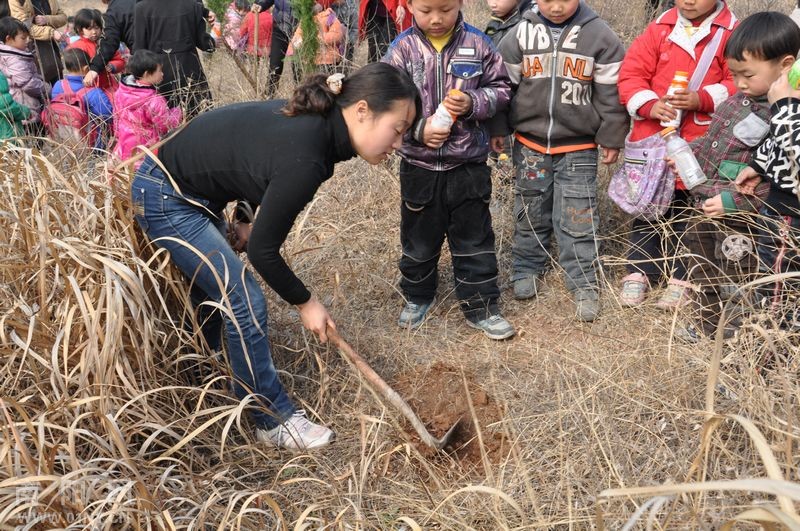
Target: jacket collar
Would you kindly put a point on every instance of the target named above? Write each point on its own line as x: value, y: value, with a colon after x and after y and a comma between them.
x: 130, y: 82
x: 723, y: 18
x: 342, y: 146
x: 458, y: 28
x: 9, y: 50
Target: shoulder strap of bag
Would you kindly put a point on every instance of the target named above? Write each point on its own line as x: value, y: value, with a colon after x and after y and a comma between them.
x: 705, y: 61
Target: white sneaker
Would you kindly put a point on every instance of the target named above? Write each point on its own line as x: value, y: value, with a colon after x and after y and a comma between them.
x: 297, y: 433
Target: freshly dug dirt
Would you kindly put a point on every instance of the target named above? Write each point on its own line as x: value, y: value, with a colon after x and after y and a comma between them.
x: 438, y: 395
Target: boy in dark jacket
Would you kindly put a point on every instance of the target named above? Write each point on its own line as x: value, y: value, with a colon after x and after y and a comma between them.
x: 564, y: 63
x: 445, y: 182
x: 505, y: 15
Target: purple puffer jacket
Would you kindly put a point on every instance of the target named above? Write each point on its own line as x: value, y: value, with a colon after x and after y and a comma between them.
x: 469, y: 56
x: 26, y: 84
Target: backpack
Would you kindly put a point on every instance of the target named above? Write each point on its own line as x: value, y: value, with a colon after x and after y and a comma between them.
x: 67, y: 118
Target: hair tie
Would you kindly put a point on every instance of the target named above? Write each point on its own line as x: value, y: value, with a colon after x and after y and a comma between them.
x: 334, y: 83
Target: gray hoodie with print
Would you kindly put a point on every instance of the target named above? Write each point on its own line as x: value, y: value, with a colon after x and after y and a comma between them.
x: 565, y: 92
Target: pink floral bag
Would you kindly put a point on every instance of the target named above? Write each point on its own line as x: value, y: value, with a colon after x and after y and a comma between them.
x: 643, y: 186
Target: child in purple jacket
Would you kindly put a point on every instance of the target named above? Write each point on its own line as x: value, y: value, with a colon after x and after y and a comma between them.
x: 445, y: 182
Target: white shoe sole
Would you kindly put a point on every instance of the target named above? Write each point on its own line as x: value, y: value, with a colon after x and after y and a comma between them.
x: 490, y: 335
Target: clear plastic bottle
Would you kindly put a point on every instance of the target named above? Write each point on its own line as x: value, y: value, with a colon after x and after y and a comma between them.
x: 442, y: 119
x: 679, y: 82
x: 686, y: 164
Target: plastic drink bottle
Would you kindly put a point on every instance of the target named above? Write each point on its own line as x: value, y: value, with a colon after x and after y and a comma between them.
x: 679, y: 82
x: 794, y: 75
x: 442, y: 119
x: 679, y: 151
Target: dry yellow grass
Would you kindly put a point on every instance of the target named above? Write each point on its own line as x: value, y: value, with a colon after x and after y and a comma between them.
x: 609, y: 422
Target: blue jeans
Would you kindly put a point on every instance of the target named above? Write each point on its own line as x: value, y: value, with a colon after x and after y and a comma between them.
x: 186, y: 225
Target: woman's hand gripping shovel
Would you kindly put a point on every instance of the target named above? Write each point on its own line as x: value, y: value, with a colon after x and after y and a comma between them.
x: 380, y: 386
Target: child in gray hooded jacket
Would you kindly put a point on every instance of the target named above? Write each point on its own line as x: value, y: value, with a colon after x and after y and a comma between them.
x: 564, y: 63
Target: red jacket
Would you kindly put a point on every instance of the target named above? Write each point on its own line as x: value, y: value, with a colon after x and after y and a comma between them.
x: 264, y: 32
x: 106, y: 81
x: 651, y: 62
x: 391, y: 7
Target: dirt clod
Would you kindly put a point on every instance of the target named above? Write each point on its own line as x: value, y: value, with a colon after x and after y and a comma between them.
x: 437, y: 394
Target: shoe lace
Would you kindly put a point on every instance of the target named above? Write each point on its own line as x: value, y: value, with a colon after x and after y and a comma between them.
x: 299, y: 421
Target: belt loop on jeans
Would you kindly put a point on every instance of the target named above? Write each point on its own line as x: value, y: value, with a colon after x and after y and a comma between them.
x: 150, y: 166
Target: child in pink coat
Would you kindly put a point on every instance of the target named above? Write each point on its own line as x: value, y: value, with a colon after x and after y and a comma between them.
x: 141, y: 114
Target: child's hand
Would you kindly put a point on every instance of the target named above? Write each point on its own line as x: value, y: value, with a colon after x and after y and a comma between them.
x: 497, y: 143
x: 684, y: 99
x: 255, y: 8
x: 458, y: 104
x: 57, y: 35
x: 747, y: 181
x: 663, y: 112
x: 713, y: 206
x: 432, y: 136
x: 90, y: 78
x: 781, y: 89
x: 610, y: 155
x: 671, y: 165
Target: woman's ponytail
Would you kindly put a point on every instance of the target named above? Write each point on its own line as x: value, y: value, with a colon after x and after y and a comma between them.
x: 379, y: 84
x: 313, y: 96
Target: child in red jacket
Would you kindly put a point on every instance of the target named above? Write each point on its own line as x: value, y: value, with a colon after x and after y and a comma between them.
x: 88, y: 26
x: 673, y: 42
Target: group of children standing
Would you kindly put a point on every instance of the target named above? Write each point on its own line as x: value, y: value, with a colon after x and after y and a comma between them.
x: 559, y: 81
x: 128, y: 110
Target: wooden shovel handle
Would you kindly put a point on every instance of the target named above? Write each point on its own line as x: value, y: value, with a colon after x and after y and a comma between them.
x: 379, y: 385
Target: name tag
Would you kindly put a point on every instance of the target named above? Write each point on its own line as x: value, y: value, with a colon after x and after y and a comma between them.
x: 466, y: 51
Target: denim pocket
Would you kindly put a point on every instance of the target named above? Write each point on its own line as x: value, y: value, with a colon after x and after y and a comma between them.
x: 529, y: 208
x: 578, y: 204
x: 582, y: 163
x: 172, y: 195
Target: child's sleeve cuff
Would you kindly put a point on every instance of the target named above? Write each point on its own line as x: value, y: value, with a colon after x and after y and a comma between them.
x: 638, y: 101
x: 728, y: 202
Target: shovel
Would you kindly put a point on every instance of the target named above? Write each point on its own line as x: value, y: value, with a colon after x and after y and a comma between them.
x: 380, y: 386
